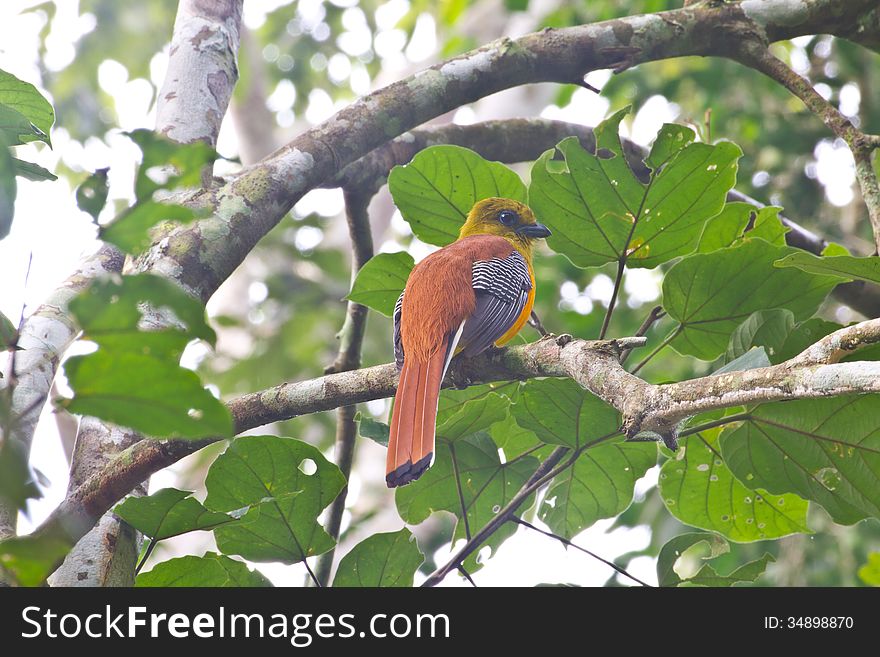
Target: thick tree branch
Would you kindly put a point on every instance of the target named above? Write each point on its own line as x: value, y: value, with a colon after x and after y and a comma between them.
x: 755, y: 54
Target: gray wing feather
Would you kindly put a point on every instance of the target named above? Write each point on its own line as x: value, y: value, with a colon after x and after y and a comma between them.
x: 502, y: 287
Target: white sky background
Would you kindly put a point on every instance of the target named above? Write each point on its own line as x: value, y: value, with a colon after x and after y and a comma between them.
x: 49, y: 227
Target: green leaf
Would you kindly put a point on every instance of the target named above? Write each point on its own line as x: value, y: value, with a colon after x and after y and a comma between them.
x: 599, y: 485
x: 168, y: 512
x: 17, y: 482
x: 32, y: 171
x: 390, y: 559
x: 599, y: 212
x: 31, y: 559
x: 726, y: 227
x: 486, y: 486
x: 845, y: 267
x: 289, y: 481
x: 710, y: 294
x: 560, y: 412
x: 167, y: 164
x: 768, y: 226
x: 802, y: 336
x: 24, y: 98
x: 211, y: 570
x: 824, y: 450
x: 8, y: 333
x: 474, y: 415
x: 699, y: 489
x: 512, y: 439
x: 156, y: 397
x: 870, y: 572
x: 764, y: 328
x: 452, y: 401
x: 369, y: 428
x: 91, y: 195
x: 437, y: 189
x: 674, y: 549
x: 753, y: 358
x: 111, y: 310
x: 670, y: 140
x: 380, y: 281
x: 8, y: 189
x: 15, y: 129
x: 689, y: 550
x: 132, y: 230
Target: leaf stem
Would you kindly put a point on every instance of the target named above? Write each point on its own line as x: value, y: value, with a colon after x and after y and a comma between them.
x: 621, y: 265
x: 669, y: 338
x: 146, y: 556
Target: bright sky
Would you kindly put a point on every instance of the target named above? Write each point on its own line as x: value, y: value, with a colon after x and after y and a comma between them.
x: 49, y: 228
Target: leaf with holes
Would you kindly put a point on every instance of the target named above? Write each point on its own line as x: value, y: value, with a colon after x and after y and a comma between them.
x: 389, y: 559
x: 599, y: 485
x: 437, y: 189
x: 132, y: 231
x: 468, y: 474
x: 693, y: 548
x: 599, y: 211
x: 380, y: 281
x: 169, y: 512
x: 764, y: 328
x: 154, y: 396
x: 211, y: 570
x: 289, y: 482
x: 824, y: 450
x: 699, y: 489
x: 23, y: 97
x: 844, y: 266
x: 560, y: 412
x: 710, y: 294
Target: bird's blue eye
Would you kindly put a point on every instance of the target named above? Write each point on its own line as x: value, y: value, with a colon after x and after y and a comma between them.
x: 508, y: 217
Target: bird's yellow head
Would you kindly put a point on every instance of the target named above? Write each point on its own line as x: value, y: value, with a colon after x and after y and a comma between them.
x: 506, y: 218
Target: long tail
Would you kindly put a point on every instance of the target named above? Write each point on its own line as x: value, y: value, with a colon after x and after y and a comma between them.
x: 413, y: 423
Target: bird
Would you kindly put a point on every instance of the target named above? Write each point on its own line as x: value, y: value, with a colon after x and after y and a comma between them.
x: 468, y: 296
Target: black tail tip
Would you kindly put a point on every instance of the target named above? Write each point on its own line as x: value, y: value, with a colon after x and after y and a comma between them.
x: 408, y: 472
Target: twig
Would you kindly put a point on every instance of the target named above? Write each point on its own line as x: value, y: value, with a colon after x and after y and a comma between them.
x: 621, y: 265
x: 467, y: 576
x: 463, y: 506
x: 568, y: 543
x: 655, y: 315
x: 669, y: 338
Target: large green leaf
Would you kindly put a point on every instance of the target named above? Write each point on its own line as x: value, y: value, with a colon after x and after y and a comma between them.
x: 599, y: 212
x: 844, y: 266
x: 726, y: 227
x: 710, y: 294
x: 111, y: 311
x: 24, y: 98
x: 390, y: 559
x: 31, y: 559
x: 560, y: 412
x: 474, y: 415
x: 435, y: 191
x: 211, y: 570
x: 167, y: 164
x: 472, y: 466
x: 684, y: 547
x: 514, y: 440
x: 599, y: 485
x: 154, y: 396
x: 380, y: 281
x: 131, y: 231
x: 699, y: 489
x: 824, y: 450
x: 168, y: 512
x: 15, y: 129
x: 803, y: 335
x: 452, y: 400
x: 289, y: 481
x: 764, y: 328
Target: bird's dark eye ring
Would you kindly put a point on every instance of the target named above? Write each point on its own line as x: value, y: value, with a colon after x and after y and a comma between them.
x: 507, y: 217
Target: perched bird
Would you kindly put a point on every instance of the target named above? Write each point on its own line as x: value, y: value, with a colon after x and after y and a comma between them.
x: 464, y: 298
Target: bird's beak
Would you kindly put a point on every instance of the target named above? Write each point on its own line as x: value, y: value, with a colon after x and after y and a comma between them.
x: 534, y: 231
